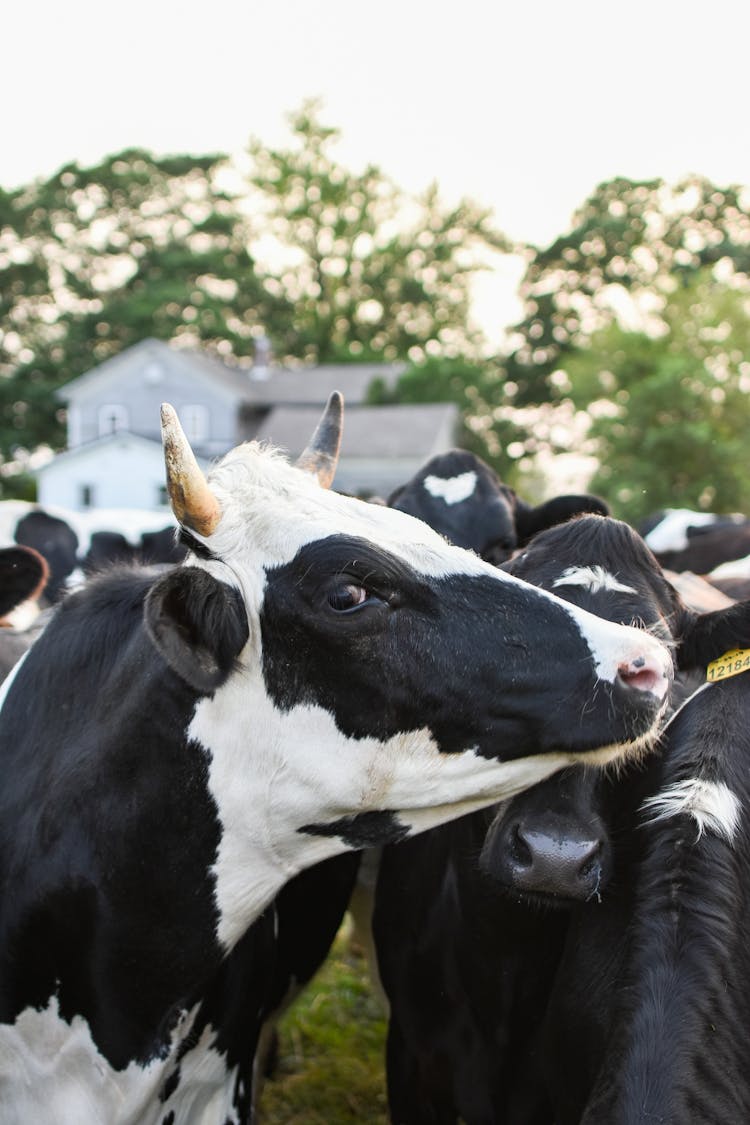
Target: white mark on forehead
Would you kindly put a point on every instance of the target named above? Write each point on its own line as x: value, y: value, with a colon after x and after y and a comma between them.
x: 672, y: 533
x: 452, y: 489
x: 712, y: 805
x: 592, y: 578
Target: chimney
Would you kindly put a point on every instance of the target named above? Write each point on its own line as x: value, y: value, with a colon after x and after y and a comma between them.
x: 261, y: 369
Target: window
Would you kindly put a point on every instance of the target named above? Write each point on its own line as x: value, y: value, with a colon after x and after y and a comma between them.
x: 162, y: 496
x: 194, y: 420
x: 112, y: 418
x: 87, y: 495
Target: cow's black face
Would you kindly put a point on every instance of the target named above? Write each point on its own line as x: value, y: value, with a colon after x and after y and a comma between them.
x: 461, y: 498
x: 358, y: 632
x: 603, y: 566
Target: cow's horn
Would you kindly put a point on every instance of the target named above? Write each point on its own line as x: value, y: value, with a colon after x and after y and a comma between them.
x: 322, y: 454
x: 193, y: 502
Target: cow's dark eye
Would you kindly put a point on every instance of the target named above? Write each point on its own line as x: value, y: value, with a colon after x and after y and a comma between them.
x: 349, y: 596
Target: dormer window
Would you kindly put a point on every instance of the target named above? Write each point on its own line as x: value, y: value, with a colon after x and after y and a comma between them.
x: 112, y: 418
x: 194, y: 419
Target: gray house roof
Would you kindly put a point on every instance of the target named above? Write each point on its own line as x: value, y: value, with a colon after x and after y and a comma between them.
x: 234, y: 380
x: 312, y: 385
x: 299, y: 385
x: 398, y: 432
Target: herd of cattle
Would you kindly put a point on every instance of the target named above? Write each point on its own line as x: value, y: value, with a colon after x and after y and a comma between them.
x: 195, y: 757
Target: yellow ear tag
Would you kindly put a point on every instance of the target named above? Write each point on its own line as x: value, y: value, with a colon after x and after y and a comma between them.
x: 730, y: 664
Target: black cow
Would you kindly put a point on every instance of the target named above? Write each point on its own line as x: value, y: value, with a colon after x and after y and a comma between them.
x: 460, y: 496
x: 174, y: 749
x: 467, y: 970
x: 653, y: 987
x: 148, y: 539
x: 46, y: 532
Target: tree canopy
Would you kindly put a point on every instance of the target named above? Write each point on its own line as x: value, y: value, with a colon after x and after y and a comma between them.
x: 330, y: 264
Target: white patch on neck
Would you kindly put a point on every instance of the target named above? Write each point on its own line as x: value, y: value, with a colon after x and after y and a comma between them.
x: 52, y: 1073
x: 672, y: 533
x: 591, y: 578
x: 452, y: 489
x: 712, y: 805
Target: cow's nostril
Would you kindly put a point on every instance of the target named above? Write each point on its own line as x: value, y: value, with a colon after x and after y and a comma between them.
x: 644, y: 675
x: 520, y: 852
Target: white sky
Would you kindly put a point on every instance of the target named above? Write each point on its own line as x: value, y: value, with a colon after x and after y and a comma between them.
x: 523, y: 106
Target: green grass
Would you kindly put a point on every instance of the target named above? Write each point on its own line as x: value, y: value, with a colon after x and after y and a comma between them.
x: 331, y: 1050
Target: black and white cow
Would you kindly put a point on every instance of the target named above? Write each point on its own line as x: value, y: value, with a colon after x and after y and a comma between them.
x: 653, y: 987
x: 460, y: 496
x: 697, y: 541
x: 319, y: 673
x: 468, y: 970
x: 81, y: 543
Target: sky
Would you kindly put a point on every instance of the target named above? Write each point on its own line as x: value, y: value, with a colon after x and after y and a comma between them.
x: 525, y: 107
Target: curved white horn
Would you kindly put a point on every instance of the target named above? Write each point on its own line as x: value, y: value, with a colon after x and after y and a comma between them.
x: 322, y: 454
x: 193, y: 502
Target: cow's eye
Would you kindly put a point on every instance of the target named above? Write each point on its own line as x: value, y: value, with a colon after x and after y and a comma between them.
x: 349, y: 596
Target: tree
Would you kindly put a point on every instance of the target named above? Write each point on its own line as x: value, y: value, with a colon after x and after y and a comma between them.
x: 95, y: 259
x: 372, y: 272
x: 670, y: 413
x: 628, y: 243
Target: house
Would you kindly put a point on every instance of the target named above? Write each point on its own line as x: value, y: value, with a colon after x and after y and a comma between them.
x: 114, y: 458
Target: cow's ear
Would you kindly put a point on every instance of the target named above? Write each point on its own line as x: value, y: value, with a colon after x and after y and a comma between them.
x: 198, y: 624
x: 559, y: 509
x: 23, y: 575
x: 707, y: 636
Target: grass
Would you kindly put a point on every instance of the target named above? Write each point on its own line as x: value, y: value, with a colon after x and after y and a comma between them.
x: 331, y: 1049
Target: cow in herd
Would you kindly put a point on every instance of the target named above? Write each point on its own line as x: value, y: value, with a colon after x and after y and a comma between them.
x: 75, y: 544
x: 317, y: 674
x: 466, y: 957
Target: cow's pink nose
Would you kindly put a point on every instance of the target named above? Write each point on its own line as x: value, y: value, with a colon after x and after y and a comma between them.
x: 644, y: 673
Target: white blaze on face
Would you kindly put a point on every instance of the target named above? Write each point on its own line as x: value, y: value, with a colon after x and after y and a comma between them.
x: 672, y: 533
x: 52, y: 1073
x: 451, y: 489
x: 595, y: 579
x: 712, y: 805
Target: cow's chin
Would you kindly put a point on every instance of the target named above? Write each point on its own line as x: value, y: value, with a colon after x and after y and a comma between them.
x: 619, y: 755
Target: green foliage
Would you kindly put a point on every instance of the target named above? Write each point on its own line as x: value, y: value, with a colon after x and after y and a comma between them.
x: 629, y: 238
x: 671, y: 413
x: 95, y: 259
x: 332, y: 1051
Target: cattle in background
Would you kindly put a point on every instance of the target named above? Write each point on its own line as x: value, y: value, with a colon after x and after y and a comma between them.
x: 23, y: 577
x: 650, y: 1015
x: 696, y: 541
x: 88, y: 541
x: 115, y: 536
x: 467, y: 970
x: 460, y: 496
x: 47, y: 531
x: 171, y: 753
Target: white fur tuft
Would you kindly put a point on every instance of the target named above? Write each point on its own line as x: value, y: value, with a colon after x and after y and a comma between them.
x: 712, y: 805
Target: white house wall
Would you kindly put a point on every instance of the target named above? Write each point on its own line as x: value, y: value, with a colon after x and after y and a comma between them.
x: 139, y: 384
x: 120, y: 474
